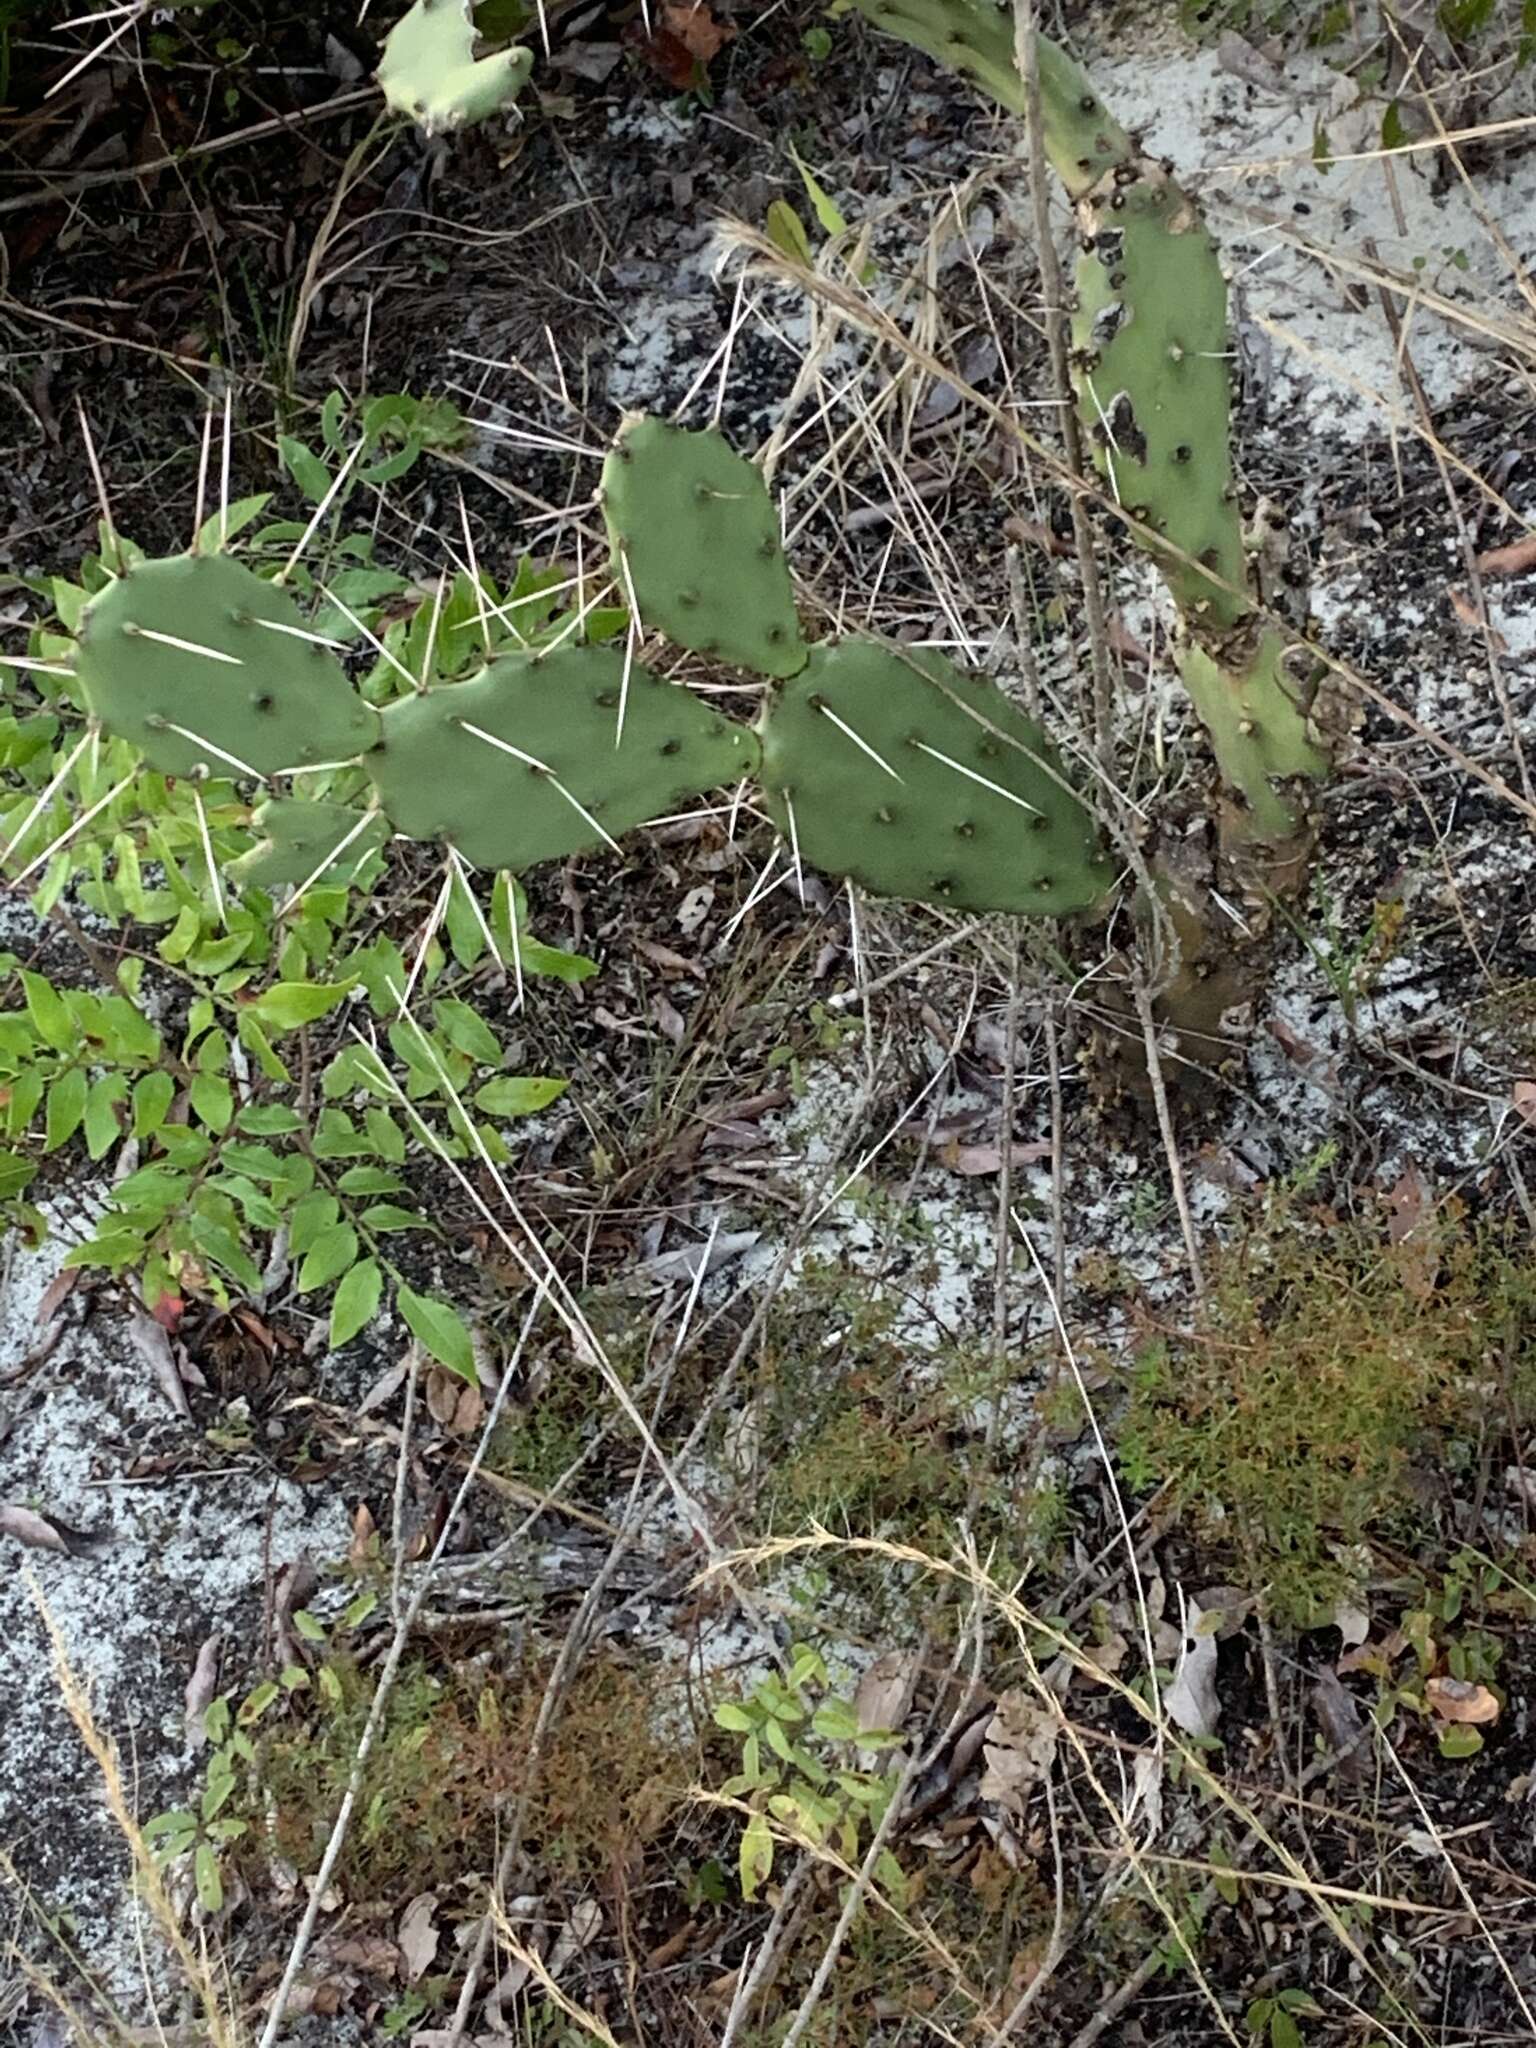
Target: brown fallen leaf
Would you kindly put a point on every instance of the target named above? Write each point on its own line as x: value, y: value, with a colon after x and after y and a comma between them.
x: 1411, y: 1206
x: 35, y: 1531
x: 201, y: 1687
x: 1469, y: 615
x: 884, y: 1695
x: 459, y: 1408
x: 364, y: 1530
x: 1338, y: 1713
x: 418, y: 1936
x: 975, y: 1160
x: 1512, y: 560
x: 1191, y: 1701
x: 1020, y: 1749
x: 1454, y: 1699
x: 154, y: 1347
x: 696, y: 28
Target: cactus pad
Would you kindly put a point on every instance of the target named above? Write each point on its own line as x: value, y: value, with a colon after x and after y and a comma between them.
x: 297, y: 838
x: 923, y: 782
x: 698, y: 538
x: 976, y: 38
x: 556, y: 784
x: 429, y: 69
x: 1258, y: 730
x: 199, y: 642
x: 1149, y: 361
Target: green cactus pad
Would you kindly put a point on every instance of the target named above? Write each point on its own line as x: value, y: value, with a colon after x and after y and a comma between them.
x: 296, y: 839
x: 1259, y: 732
x: 1150, y: 366
x: 1082, y: 139
x: 991, y: 827
x: 437, y: 780
x: 697, y: 534
x: 261, y: 696
x: 429, y: 69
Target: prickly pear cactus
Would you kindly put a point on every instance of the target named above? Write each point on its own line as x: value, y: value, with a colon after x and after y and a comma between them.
x: 1082, y: 139
x: 302, y: 842
x: 1258, y: 728
x: 429, y: 69
x: 698, y: 540
x: 208, y: 669
x: 923, y: 782
x: 1149, y: 361
x: 525, y: 762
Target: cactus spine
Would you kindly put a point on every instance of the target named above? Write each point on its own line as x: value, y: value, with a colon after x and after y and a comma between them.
x: 1149, y: 348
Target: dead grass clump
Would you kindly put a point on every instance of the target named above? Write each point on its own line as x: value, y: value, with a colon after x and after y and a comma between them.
x: 1335, y: 1390
x: 454, y: 1749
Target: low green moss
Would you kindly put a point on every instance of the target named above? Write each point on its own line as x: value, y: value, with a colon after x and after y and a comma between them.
x: 1335, y: 1391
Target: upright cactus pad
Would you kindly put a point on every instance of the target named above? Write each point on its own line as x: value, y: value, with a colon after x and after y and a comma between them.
x: 429, y: 69
x: 698, y: 540
x: 302, y: 842
x: 1259, y: 732
x: 206, y: 668
x: 923, y: 782
x: 1082, y: 139
x: 1149, y: 361
x: 524, y: 762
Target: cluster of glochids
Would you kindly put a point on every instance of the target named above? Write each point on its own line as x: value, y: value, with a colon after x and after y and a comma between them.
x: 889, y: 766
x: 1149, y: 366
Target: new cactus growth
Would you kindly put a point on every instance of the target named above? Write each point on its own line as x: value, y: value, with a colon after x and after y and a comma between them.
x: 924, y: 782
x: 1149, y: 368
x: 540, y: 757
x: 698, y: 545
x: 209, y: 670
x: 308, y: 842
x: 429, y: 69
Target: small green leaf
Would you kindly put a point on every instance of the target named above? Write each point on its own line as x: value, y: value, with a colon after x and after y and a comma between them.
x: 15, y: 1173
x: 467, y: 1031
x: 308, y: 1626
x: 1460, y: 1742
x: 213, y: 1101
x: 737, y: 1719
x: 222, y: 526
x: 102, y: 1129
x: 756, y: 1855
x: 519, y: 1095
x: 288, y: 1004
x: 328, y: 1258
x: 306, y: 468
x: 210, y: 1886
x: 384, y: 1216
x: 153, y: 1095
x: 269, y: 1120
x: 385, y: 1135
x: 787, y: 232
x: 49, y: 1013
x: 441, y: 1331
x: 66, y: 1108
x: 356, y: 1303
x: 369, y: 1180
x: 825, y: 207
